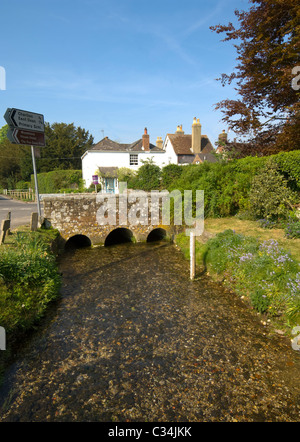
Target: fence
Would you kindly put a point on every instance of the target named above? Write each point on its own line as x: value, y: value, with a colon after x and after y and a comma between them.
x: 28, y: 195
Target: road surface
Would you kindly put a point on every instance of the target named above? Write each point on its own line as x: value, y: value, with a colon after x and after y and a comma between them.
x: 20, y: 212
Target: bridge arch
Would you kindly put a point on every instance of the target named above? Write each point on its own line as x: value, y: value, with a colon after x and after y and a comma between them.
x: 118, y: 236
x: 156, y: 235
x: 78, y: 242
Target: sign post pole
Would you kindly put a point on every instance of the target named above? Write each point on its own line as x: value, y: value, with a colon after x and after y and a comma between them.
x: 36, y: 183
x: 95, y: 181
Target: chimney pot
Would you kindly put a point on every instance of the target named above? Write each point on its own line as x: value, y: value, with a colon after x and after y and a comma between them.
x: 179, y: 129
x: 159, y: 142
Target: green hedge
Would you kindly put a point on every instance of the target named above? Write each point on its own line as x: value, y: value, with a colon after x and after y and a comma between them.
x: 227, y: 185
x: 55, y: 181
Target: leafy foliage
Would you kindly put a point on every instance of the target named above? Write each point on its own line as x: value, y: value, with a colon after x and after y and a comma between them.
x: 227, y: 185
x: 263, y: 271
x: 65, y: 144
x: 58, y: 180
x: 147, y: 177
x: 29, y: 280
x: 170, y: 173
x: 266, y: 42
x: 292, y: 229
x: 270, y: 196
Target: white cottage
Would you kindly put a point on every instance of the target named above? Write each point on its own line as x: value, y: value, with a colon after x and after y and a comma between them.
x: 107, y: 156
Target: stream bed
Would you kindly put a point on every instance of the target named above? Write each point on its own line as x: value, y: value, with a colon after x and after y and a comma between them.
x: 133, y: 339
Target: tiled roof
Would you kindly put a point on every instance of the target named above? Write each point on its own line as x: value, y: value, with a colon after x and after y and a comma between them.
x: 182, y: 144
x: 107, y: 145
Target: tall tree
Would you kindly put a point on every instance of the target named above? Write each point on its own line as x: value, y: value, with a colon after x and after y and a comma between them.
x: 3, y: 133
x: 267, y: 42
x: 10, y: 172
x: 65, y: 144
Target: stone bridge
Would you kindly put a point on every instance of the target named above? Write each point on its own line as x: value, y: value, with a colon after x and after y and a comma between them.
x: 90, y: 219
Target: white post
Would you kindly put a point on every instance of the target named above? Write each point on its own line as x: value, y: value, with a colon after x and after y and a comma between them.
x: 192, y: 255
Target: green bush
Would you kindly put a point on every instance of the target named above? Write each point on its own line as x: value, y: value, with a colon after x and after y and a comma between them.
x: 169, y: 174
x: 227, y: 186
x: 29, y: 280
x: 270, y: 197
x: 22, y: 185
x: 289, y: 165
x: 125, y: 175
x: 53, y: 182
x: 147, y: 177
x: 225, y: 189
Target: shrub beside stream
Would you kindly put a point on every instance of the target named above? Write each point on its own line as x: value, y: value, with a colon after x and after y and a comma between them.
x: 29, y: 279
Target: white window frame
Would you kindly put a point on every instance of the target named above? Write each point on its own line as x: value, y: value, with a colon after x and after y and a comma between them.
x: 133, y: 159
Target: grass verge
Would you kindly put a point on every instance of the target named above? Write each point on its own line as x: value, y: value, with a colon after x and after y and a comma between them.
x: 251, y: 228
x: 29, y: 281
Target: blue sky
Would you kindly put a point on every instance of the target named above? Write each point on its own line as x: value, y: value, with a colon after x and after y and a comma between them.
x: 114, y: 67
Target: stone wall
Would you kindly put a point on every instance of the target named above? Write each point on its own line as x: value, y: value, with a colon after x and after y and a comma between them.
x: 76, y: 214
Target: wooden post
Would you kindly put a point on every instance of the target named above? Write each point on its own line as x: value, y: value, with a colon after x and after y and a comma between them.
x: 192, y: 255
x: 8, y: 216
x: 2, y: 338
x: 34, y: 221
x: 5, y: 226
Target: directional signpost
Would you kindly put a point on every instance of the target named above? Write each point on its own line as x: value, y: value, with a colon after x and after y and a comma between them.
x: 27, y: 128
x: 28, y: 137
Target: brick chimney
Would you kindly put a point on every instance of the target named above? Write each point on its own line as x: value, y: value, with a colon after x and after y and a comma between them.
x: 159, y: 142
x: 196, y: 136
x: 146, y: 141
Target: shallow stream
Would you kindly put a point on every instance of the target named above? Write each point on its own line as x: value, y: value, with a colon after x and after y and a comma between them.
x: 133, y: 339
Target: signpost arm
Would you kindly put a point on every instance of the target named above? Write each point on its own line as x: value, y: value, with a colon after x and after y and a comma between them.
x: 36, y: 183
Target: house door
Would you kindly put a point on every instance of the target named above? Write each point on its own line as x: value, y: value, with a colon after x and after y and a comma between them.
x: 109, y: 185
